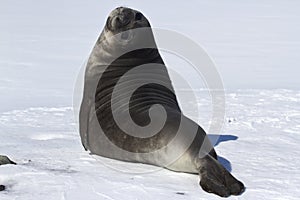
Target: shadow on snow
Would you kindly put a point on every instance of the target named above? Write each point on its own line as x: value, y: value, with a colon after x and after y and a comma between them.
x: 216, y: 140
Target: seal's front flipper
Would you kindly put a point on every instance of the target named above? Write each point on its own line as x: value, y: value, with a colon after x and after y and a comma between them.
x: 216, y: 179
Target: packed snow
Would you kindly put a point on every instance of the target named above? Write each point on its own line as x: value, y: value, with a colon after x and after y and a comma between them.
x: 43, y: 46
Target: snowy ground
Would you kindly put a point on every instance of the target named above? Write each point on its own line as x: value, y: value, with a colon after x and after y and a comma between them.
x: 260, y: 142
x: 43, y: 44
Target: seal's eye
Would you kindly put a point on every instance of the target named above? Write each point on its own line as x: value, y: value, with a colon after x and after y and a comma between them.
x: 138, y: 16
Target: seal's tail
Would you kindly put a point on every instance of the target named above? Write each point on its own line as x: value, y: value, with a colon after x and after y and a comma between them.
x: 216, y: 179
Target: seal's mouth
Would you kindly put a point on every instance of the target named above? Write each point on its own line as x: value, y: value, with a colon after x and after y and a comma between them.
x: 125, y: 35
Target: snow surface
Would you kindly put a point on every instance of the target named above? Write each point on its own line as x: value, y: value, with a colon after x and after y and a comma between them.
x: 43, y: 45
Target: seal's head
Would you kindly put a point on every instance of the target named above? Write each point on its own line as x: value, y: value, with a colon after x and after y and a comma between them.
x: 126, y: 30
x: 122, y: 19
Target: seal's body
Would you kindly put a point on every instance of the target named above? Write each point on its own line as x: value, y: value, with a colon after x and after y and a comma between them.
x: 119, y: 124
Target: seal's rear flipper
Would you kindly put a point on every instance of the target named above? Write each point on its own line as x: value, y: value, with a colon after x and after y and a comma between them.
x: 216, y: 179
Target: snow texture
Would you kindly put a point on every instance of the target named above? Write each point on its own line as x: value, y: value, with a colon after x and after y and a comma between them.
x: 43, y: 46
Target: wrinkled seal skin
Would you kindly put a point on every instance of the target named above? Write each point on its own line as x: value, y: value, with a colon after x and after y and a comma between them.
x: 101, y: 77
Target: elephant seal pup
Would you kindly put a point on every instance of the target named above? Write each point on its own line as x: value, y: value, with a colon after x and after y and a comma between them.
x: 128, y: 95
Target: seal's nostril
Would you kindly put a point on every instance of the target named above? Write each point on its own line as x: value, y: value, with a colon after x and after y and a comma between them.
x: 138, y: 16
